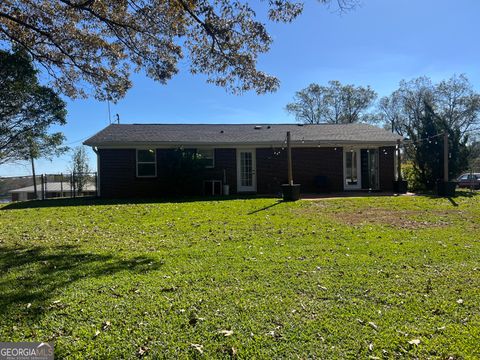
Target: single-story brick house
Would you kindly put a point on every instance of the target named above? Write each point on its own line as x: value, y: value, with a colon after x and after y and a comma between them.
x: 251, y: 158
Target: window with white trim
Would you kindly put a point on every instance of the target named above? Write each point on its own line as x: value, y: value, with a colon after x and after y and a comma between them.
x: 146, y: 163
x: 208, y: 155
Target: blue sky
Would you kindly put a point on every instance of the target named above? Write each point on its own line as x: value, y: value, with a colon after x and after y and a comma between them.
x: 378, y: 44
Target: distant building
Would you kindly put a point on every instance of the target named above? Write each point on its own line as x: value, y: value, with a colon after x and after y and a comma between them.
x: 52, y: 190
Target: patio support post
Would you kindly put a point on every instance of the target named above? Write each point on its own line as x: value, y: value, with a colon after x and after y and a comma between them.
x: 399, y: 162
x: 446, y: 188
x: 445, y: 157
x: 289, y: 159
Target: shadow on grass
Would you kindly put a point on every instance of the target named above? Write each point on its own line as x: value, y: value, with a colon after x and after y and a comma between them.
x: 92, y: 201
x: 266, y: 207
x: 40, y: 273
x: 458, y: 195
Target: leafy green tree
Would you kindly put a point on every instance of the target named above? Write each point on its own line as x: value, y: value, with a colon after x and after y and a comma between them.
x: 27, y: 110
x: 183, y: 170
x: 335, y: 104
x: 427, y: 148
x: 100, y: 42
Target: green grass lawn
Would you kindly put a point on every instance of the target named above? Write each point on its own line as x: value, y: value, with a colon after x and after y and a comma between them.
x: 245, y: 278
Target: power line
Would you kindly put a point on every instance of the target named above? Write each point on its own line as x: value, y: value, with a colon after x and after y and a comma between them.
x: 76, y: 141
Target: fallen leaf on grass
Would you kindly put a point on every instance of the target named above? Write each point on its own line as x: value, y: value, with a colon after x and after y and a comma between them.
x: 197, y: 347
x: 414, y: 342
x: 226, y: 332
x: 370, y: 347
x: 142, y: 351
x: 373, y: 325
x: 28, y: 305
x: 460, y: 301
x: 106, y: 325
x: 96, y: 334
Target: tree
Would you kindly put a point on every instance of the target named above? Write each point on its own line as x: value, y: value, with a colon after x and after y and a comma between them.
x: 427, y: 148
x: 335, y: 103
x: 420, y: 108
x: 458, y: 103
x: 27, y: 110
x: 80, y: 168
x: 98, y: 42
x: 454, y: 101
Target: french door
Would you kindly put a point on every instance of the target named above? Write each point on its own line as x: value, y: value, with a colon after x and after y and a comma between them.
x: 351, y: 169
x: 246, y: 170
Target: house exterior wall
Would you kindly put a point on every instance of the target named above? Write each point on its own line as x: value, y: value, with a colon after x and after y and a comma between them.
x: 118, y: 171
x: 226, y: 159
x: 307, y: 164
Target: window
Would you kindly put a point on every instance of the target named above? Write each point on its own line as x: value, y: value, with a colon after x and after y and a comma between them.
x: 146, y: 163
x: 208, y: 155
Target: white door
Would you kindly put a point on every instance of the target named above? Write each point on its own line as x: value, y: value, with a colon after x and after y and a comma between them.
x: 351, y: 169
x: 246, y: 170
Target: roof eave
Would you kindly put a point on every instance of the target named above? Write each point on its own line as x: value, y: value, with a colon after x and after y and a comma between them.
x: 129, y: 144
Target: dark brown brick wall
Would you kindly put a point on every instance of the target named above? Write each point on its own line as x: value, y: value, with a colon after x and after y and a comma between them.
x: 118, y: 173
x: 386, y: 167
x: 308, y: 163
x: 226, y: 159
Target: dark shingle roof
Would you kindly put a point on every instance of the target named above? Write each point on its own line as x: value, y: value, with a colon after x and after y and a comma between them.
x: 225, y: 134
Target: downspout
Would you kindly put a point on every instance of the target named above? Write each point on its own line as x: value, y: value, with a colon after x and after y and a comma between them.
x: 95, y: 150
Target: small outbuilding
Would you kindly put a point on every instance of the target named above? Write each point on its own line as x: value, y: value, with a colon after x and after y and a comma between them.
x: 52, y: 190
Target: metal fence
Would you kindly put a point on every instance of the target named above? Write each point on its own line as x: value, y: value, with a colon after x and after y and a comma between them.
x: 48, y: 186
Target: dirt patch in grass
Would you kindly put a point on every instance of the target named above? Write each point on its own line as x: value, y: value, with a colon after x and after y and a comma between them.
x: 401, y: 219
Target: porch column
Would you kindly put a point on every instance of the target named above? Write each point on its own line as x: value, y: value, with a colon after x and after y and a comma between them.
x: 289, y: 156
x: 399, y: 162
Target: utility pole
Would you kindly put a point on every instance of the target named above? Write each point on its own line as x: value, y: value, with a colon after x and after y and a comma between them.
x: 445, y: 157
x: 32, y: 160
x: 289, y: 159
